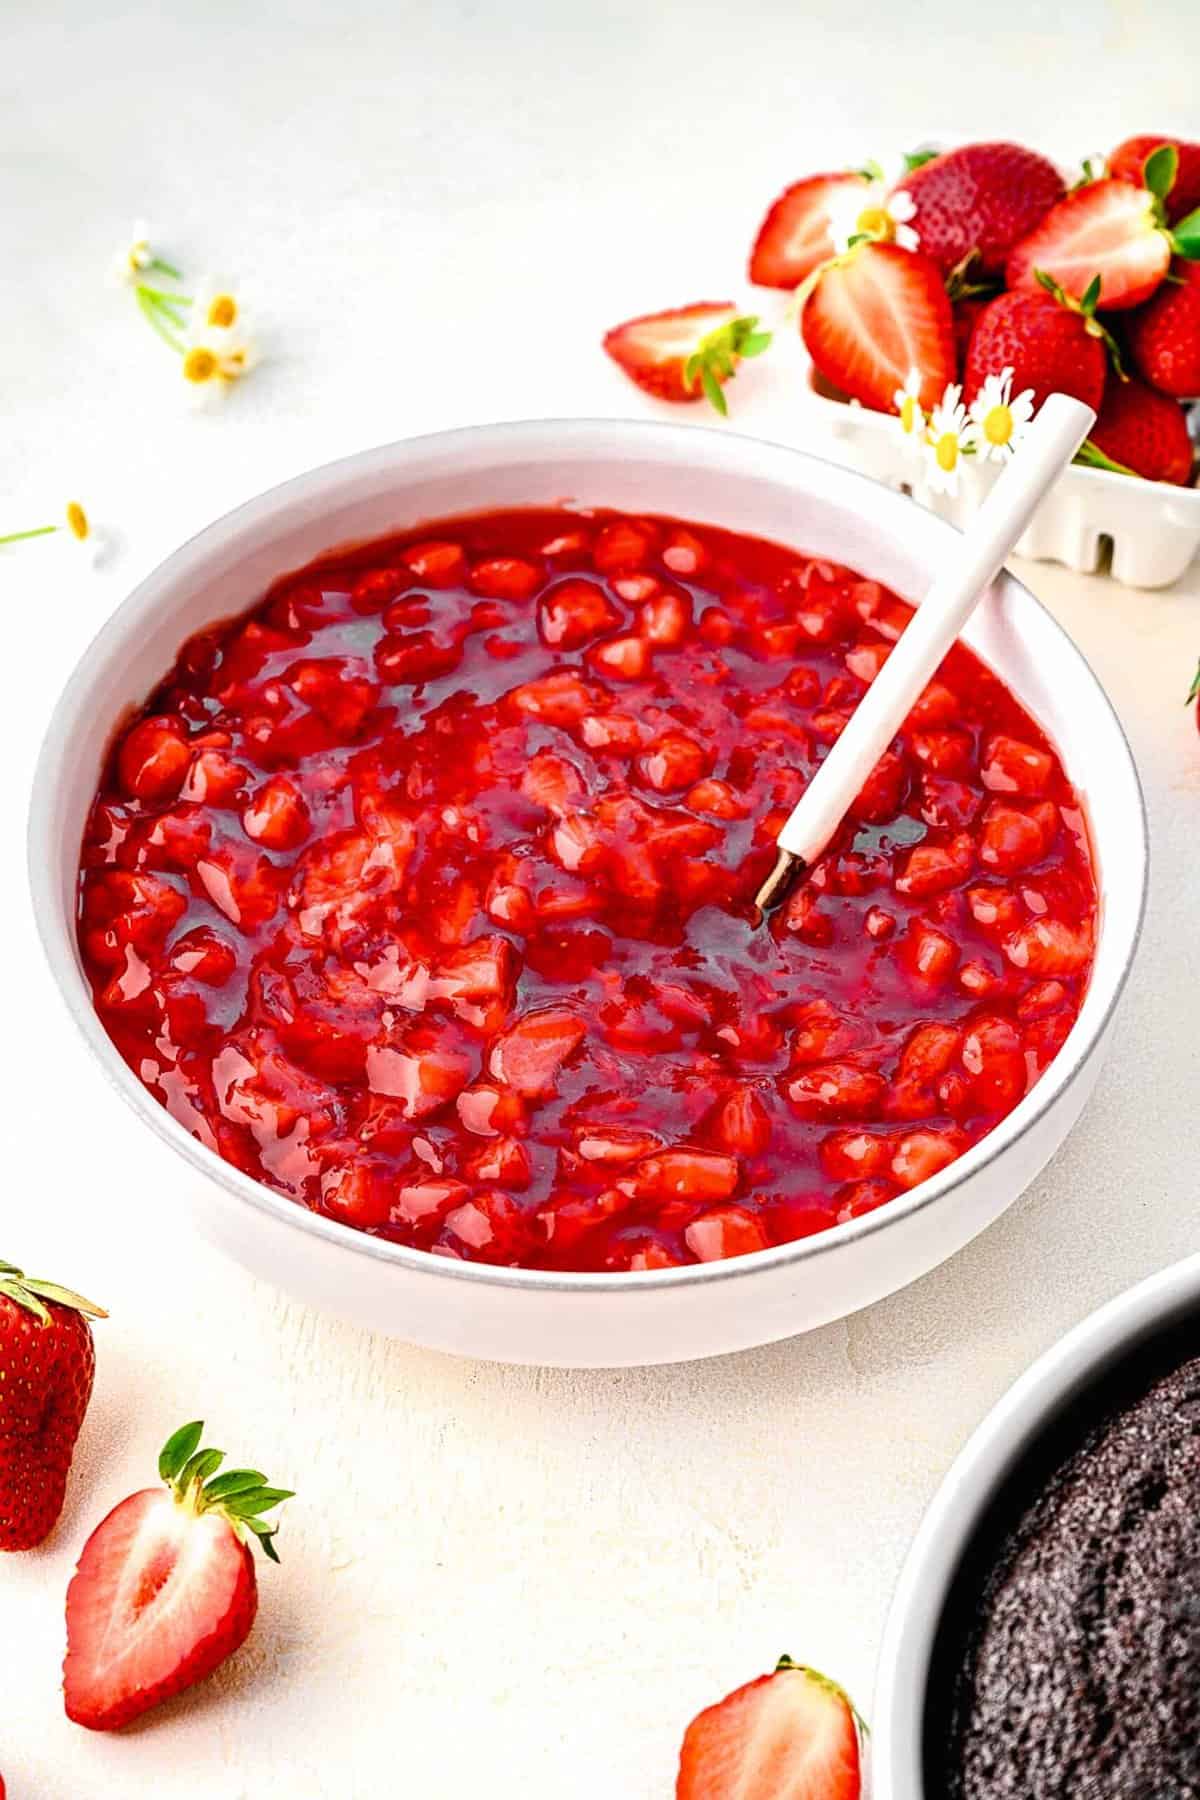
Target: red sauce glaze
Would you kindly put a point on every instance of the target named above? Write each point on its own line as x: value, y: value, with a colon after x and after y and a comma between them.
x: 422, y: 893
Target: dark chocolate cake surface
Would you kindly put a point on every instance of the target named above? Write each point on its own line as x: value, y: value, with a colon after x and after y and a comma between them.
x: 1081, y: 1673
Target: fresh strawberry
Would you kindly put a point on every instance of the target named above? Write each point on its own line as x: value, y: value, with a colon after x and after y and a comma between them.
x: 1164, y: 337
x: 980, y: 198
x: 1048, y: 345
x: 795, y: 238
x: 966, y: 316
x: 1128, y: 163
x: 875, y: 314
x: 686, y: 353
x: 165, y: 1589
x: 1145, y: 433
x: 790, y: 1735
x: 47, y: 1364
x: 1109, y: 229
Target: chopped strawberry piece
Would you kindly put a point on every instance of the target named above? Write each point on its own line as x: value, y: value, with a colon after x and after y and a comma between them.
x: 489, y: 1111
x: 574, y: 612
x: 437, y: 563
x: 920, y: 1154
x: 725, y: 1231
x: 154, y: 758
x: 609, y: 1144
x: 932, y: 868
x: 682, y: 1175
x: 836, y: 1090
x: 505, y: 578
x: 423, y: 1079
x: 874, y: 316
x: 930, y: 954
x: 558, y: 699
x: 993, y: 1058
x: 621, y: 659
x: 742, y: 1124
x: 552, y: 782
x: 1012, y: 767
x: 673, y: 761
x: 1049, y: 947
x: 1011, y: 838
x: 665, y: 618
x: 855, y: 1155
x: 504, y: 1161
x: 416, y: 657
x: 530, y: 1053
x: 492, y: 1227
x: 276, y: 815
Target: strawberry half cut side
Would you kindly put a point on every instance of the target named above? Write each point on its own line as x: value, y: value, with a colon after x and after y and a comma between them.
x: 795, y: 237
x: 1109, y: 232
x: 687, y: 353
x: 875, y: 314
x: 47, y: 1366
x: 165, y: 1589
x: 790, y: 1735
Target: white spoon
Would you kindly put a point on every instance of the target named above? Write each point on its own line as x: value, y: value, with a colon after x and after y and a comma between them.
x: 1053, y: 438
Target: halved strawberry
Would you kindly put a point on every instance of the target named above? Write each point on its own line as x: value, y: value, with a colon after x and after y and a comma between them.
x: 688, y: 352
x: 1109, y: 229
x: 790, y: 1735
x: 795, y: 235
x: 1128, y: 163
x: 165, y: 1589
x: 875, y: 314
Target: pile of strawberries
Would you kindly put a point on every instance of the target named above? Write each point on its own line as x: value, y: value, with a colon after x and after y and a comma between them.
x: 971, y: 263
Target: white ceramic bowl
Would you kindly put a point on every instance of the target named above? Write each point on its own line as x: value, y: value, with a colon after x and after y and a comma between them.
x: 714, y: 476
x: 1074, y: 1365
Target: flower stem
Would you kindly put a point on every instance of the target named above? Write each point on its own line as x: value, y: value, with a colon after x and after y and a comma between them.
x: 18, y: 537
x: 164, y: 268
x: 154, y: 314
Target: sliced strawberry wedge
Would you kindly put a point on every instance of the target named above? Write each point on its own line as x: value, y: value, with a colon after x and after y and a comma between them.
x: 529, y: 1055
x: 165, y: 1589
x: 873, y: 316
x: 687, y: 353
x: 791, y: 1735
x: 1108, y: 229
x: 795, y: 235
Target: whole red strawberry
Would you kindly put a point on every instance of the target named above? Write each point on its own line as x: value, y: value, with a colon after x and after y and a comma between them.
x: 47, y: 1365
x: 1049, y: 346
x: 875, y: 314
x: 1128, y: 163
x: 1164, y: 337
x: 980, y: 198
x: 790, y: 1735
x: 1144, y: 432
x: 165, y: 1589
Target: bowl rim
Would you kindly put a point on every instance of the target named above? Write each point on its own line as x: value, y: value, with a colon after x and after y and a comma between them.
x: 676, y: 443
x: 1068, y: 1368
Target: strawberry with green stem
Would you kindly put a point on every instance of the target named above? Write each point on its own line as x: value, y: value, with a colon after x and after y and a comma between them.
x: 1110, y: 231
x: 165, y: 1589
x: 47, y: 1366
x: 688, y: 352
x: 790, y: 1735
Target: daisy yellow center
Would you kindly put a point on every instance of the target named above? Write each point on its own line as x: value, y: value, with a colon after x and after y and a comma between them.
x: 77, y: 520
x: 909, y: 413
x: 947, y: 451
x: 875, y: 222
x: 998, y: 425
x: 199, y: 364
x: 222, y: 311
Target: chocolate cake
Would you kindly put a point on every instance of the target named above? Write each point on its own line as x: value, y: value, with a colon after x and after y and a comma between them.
x: 1069, y: 1661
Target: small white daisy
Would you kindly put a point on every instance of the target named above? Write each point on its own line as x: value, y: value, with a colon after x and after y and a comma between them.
x: 1000, y: 420
x: 218, y: 348
x: 907, y: 401
x: 74, y: 529
x: 949, y: 437
x: 871, y: 212
x: 136, y: 258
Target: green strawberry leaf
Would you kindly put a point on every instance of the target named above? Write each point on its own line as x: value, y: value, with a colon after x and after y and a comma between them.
x: 234, y: 1481
x: 1160, y: 169
x: 716, y: 358
x: 916, y: 159
x: 1194, y: 690
x: 1092, y: 457
x: 198, y: 1468
x: 1185, y: 237
x: 179, y: 1448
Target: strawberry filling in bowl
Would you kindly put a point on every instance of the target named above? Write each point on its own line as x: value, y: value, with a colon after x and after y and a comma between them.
x: 395, y: 846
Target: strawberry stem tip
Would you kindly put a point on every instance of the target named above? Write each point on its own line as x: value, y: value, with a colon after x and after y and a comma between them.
x: 31, y: 1293
x: 718, y: 354
x: 239, y: 1495
x: 1194, y: 690
x: 1086, y: 306
x: 827, y: 1682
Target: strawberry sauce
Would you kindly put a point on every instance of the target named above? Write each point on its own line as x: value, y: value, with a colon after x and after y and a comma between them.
x: 421, y: 892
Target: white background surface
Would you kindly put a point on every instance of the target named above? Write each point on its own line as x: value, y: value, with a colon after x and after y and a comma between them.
x: 517, y: 1583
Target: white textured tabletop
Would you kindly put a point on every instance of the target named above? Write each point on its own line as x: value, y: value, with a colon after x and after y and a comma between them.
x: 512, y: 1582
